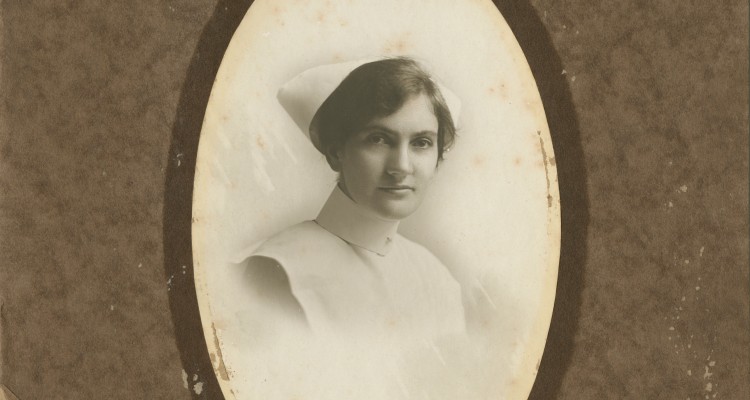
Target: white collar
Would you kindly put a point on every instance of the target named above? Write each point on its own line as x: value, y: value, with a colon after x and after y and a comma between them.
x: 355, y: 225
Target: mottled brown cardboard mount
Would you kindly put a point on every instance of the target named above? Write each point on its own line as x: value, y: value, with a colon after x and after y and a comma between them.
x: 100, y: 111
x: 492, y: 215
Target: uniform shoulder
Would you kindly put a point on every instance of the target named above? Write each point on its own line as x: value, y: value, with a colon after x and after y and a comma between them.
x: 426, y: 258
x: 294, y: 232
x: 282, y: 239
x: 305, y: 251
x: 417, y: 249
x: 300, y: 237
x: 449, y: 299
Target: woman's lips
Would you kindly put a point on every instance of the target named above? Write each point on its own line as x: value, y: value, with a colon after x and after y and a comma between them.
x: 398, y: 189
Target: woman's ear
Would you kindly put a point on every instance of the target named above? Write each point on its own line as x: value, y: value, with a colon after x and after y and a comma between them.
x: 333, y: 156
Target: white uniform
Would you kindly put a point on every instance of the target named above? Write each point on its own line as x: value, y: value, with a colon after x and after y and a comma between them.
x: 352, y: 272
x: 379, y: 316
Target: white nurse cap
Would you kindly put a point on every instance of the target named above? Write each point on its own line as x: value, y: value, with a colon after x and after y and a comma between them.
x: 303, y: 95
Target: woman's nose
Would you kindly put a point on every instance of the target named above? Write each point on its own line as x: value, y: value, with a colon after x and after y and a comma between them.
x: 399, y: 162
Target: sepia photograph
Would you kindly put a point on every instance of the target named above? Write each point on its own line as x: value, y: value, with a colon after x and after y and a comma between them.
x: 376, y: 201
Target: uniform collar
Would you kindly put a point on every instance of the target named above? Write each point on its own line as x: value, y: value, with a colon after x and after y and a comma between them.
x: 356, y: 225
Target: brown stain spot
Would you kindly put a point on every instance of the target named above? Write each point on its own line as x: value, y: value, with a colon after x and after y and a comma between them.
x: 478, y: 161
x: 320, y: 17
x: 260, y: 142
x: 529, y: 106
x: 398, y: 45
x: 278, y: 12
x: 517, y: 161
x: 221, y: 325
x: 498, y: 90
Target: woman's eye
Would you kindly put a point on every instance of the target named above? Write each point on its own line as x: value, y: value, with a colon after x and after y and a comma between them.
x: 376, y: 139
x: 422, y: 143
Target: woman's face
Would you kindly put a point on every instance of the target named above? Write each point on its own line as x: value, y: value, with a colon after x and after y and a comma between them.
x: 387, y: 166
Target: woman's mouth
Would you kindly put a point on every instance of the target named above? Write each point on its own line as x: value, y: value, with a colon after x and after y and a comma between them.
x: 397, y: 189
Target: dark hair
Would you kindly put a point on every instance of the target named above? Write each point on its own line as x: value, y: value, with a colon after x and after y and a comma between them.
x: 374, y: 90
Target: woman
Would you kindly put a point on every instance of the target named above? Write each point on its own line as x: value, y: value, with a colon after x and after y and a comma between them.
x: 384, y: 129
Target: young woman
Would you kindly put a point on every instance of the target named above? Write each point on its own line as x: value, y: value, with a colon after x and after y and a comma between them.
x: 384, y: 130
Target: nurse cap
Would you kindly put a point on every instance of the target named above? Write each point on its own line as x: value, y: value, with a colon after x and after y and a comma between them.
x: 303, y: 95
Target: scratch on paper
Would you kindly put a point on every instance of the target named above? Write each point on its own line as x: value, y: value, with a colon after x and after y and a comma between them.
x: 547, y: 161
x: 486, y: 295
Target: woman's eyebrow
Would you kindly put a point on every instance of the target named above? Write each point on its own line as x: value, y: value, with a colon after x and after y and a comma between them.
x: 378, y: 127
x: 426, y: 133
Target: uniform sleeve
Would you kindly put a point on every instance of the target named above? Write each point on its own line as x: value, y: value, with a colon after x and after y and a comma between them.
x: 271, y: 305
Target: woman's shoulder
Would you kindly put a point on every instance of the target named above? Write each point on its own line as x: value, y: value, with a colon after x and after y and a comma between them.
x: 434, y: 274
x: 307, y: 252
x: 421, y: 255
x: 302, y: 238
x: 297, y: 231
x: 417, y: 250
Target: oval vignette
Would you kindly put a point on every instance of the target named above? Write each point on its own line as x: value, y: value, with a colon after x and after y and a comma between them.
x: 252, y: 164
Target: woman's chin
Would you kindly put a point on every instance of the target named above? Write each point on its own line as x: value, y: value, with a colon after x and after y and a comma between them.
x: 396, y: 210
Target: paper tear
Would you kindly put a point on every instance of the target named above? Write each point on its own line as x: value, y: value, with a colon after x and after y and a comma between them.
x: 7, y: 394
x: 198, y: 388
x: 220, y: 368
